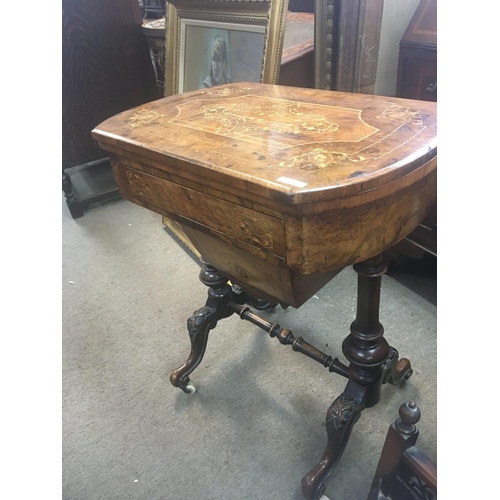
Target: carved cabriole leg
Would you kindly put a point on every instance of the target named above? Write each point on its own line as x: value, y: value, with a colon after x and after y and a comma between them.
x: 202, y: 321
x: 369, y: 355
x: 340, y: 419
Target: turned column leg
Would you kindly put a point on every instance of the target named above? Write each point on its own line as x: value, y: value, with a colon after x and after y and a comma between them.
x: 202, y: 321
x: 372, y: 362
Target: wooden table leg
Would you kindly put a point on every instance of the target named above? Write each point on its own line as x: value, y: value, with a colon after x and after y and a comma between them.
x: 202, y: 321
x: 372, y: 363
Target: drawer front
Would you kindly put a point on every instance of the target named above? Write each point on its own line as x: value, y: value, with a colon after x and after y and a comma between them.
x: 257, y: 229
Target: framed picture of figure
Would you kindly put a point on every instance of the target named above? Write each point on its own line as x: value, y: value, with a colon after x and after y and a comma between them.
x: 212, y: 42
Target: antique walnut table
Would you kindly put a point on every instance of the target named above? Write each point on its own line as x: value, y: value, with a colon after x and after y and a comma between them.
x: 279, y: 189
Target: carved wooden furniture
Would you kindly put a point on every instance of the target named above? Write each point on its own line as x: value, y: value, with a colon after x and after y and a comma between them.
x: 279, y: 188
x: 105, y: 70
x: 154, y: 30
x: 417, y: 68
x: 404, y: 472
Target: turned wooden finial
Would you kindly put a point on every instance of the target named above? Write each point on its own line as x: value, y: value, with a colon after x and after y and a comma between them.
x: 409, y: 415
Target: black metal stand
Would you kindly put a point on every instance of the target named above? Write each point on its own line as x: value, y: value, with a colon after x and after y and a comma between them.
x: 89, y: 183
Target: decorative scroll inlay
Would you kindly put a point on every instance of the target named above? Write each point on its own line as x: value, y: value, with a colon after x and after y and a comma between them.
x: 137, y: 185
x: 142, y: 117
x: 257, y: 231
x: 318, y: 159
x: 272, y: 122
x: 224, y: 92
x: 397, y: 113
x: 341, y: 410
x: 279, y: 116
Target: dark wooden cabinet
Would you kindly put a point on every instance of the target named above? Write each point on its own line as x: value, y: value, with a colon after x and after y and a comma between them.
x: 417, y: 79
x: 417, y: 69
x: 106, y: 69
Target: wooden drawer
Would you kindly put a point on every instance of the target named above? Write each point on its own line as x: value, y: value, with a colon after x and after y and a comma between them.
x: 254, y: 228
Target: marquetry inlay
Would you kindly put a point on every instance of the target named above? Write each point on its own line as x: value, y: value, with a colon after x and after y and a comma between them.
x: 143, y: 116
x: 292, y: 123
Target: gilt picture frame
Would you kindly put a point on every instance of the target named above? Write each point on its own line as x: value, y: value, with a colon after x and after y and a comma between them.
x: 212, y: 42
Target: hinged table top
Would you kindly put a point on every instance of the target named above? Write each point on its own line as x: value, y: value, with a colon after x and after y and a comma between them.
x: 291, y: 144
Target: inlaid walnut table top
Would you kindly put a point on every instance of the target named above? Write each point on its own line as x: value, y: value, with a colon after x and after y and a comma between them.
x: 279, y: 187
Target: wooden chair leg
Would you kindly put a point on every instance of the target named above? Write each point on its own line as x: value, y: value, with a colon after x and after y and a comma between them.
x: 404, y: 472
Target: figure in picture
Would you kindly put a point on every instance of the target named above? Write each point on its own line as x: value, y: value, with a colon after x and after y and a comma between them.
x: 217, y: 74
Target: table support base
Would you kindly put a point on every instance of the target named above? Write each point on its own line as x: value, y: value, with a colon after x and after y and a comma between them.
x: 372, y: 361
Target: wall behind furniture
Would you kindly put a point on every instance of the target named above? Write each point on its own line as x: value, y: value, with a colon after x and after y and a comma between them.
x: 396, y: 18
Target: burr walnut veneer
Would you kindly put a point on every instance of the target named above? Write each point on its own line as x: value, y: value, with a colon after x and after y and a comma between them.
x: 279, y: 188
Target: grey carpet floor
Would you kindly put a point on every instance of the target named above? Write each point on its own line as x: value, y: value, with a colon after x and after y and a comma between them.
x: 256, y: 423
